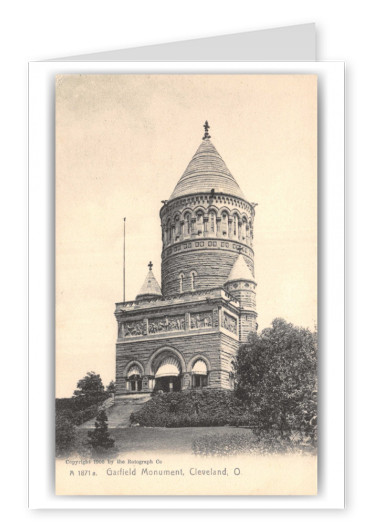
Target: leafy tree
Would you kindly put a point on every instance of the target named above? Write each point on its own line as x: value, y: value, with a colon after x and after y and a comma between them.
x: 65, y: 434
x: 90, y: 389
x: 276, y: 376
x: 111, y: 388
x: 100, y: 439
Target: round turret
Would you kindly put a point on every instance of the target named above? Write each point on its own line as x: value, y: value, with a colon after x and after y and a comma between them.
x: 241, y: 284
x: 203, y: 223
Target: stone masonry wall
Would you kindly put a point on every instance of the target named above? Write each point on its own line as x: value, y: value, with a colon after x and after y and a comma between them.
x: 247, y: 322
x: 212, y: 267
x: 229, y: 350
x: 207, y: 345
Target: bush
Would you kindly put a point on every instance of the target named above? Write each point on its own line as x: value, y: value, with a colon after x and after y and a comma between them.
x: 276, y: 375
x: 76, y: 410
x: 82, y: 416
x: 100, y: 439
x: 192, y: 408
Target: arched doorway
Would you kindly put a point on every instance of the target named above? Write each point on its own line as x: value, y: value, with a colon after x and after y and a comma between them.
x: 168, y: 375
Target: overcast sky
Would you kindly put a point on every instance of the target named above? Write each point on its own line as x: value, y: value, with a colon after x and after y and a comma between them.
x: 123, y: 142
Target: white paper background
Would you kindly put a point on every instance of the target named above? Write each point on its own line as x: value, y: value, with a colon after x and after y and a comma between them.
x: 41, y: 29
x: 331, y: 177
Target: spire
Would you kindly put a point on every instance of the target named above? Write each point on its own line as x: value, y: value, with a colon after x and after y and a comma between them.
x: 207, y: 171
x: 240, y: 271
x: 150, y: 288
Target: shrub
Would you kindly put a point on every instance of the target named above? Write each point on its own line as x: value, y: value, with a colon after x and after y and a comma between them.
x: 77, y: 409
x: 192, y: 408
x: 100, y: 439
x: 83, y: 415
x: 276, y: 375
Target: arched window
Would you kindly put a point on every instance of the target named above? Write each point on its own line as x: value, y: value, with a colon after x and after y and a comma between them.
x: 247, y: 233
x: 193, y: 280
x: 236, y: 225
x: 244, y: 229
x: 187, y: 224
x: 224, y: 224
x: 199, y: 374
x: 177, y: 227
x: 181, y: 280
x: 212, y: 222
x: 134, y: 382
x: 200, y: 223
x: 169, y: 231
x: 164, y: 234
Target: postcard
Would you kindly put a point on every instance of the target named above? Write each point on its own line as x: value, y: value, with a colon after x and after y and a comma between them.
x: 186, y: 284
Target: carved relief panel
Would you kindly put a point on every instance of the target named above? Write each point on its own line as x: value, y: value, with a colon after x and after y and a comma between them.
x: 202, y: 320
x: 132, y: 328
x: 230, y: 323
x: 166, y: 324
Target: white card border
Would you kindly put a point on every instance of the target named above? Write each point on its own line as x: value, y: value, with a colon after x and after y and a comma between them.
x: 41, y: 292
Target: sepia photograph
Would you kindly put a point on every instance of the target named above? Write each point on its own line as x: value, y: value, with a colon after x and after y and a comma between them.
x: 186, y: 284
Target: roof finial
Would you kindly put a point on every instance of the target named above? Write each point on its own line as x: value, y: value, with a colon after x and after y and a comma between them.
x: 150, y: 265
x: 206, y: 126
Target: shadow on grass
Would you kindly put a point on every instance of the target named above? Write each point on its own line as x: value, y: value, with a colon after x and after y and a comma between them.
x: 200, y: 441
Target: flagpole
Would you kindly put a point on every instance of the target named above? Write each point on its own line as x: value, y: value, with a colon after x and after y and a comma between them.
x: 124, y: 262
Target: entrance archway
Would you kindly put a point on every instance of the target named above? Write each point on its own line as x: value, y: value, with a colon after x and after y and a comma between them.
x: 168, y: 375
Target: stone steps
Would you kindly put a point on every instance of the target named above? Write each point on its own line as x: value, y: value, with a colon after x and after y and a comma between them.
x: 119, y: 414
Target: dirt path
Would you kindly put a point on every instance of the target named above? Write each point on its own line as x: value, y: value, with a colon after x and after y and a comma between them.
x: 118, y: 415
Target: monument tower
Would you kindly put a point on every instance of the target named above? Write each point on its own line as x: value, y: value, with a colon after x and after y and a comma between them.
x: 187, y: 333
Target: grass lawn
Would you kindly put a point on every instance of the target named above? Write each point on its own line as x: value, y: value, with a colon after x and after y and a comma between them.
x: 163, y: 440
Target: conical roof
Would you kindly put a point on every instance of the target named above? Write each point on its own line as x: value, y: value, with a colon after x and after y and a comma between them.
x: 150, y: 287
x: 240, y: 271
x: 205, y: 172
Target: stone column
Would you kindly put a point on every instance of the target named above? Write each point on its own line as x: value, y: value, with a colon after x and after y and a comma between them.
x: 240, y: 231
x: 186, y: 381
x: 145, y: 384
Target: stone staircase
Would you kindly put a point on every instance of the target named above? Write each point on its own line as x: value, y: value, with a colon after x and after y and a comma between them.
x: 119, y: 413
